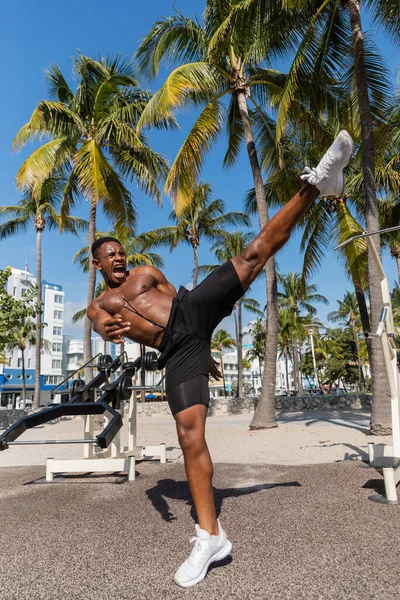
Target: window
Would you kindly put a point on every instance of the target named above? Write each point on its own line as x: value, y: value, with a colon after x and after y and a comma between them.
x: 57, y: 347
x: 57, y: 330
x: 56, y: 364
x: 29, y: 376
x: 9, y: 376
x: 19, y: 362
x: 58, y: 314
x: 29, y: 363
x: 23, y: 291
x: 58, y: 299
x: 52, y: 379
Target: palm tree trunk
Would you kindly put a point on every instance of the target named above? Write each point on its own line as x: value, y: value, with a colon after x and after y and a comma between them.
x: 398, y: 266
x: 301, y: 390
x: 87, y: 332
x: 235, y: 320
x: 357, y: 343
x: 239, y: 348
x: 264, y: 414
x: 23, y: 378
x: 38, y: 343
x: 222, y: 372
x: 196, y: 265
x: 380, y: 414
x: 295, y: 366
x: 285, y: 352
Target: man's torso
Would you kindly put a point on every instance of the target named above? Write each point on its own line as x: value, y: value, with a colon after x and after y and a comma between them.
x: 139, y: 293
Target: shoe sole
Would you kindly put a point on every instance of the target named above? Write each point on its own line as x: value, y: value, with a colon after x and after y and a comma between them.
x: 223, y: 553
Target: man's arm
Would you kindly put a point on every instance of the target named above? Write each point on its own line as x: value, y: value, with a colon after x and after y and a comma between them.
x: 111, y: 329
x: 162, y: 282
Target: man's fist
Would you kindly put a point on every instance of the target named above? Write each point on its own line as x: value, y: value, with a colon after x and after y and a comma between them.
x: 115, y: 329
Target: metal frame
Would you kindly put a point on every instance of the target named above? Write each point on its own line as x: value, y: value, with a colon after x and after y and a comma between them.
x: 385, y: 458
x: 102, y: 453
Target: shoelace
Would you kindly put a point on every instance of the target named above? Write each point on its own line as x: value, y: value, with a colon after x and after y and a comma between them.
x: 197, y: 542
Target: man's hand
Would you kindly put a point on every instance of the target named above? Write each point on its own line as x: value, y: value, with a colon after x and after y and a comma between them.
x: 115, y: 328
x: 213, y: 369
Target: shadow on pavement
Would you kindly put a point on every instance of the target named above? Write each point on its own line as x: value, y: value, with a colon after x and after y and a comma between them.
x: 179, y: 490
x: 342, y: 418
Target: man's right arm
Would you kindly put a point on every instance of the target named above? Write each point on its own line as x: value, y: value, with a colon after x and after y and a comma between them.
x: 110, y: 328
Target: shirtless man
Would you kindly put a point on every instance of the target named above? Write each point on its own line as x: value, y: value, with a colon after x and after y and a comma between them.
x: 143, y: 306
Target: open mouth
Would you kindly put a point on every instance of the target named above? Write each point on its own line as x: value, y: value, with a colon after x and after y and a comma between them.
x: 119, y: 271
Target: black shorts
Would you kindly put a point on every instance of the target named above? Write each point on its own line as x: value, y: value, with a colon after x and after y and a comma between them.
x: 185, y: 347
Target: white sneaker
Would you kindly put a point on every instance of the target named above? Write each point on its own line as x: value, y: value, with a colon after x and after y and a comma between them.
x: 328, y: 175
x: 207, y: 549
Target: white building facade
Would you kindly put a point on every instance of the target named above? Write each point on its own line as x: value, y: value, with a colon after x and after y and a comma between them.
x: 51, y: 359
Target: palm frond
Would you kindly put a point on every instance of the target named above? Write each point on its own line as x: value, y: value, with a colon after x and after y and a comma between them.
x: 175, y: 38
x: 181, y: 87
x: 186, y: 167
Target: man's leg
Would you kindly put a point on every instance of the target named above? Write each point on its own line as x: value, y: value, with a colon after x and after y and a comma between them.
x: 326, y: 180
x: 210, y: 542
x: 190, y: 427
x: 273, y: 236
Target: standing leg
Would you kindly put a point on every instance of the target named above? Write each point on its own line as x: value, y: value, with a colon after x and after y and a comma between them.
x: 190, y: 426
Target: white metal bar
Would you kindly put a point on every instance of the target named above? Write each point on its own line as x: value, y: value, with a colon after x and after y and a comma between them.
x: 88, y: 428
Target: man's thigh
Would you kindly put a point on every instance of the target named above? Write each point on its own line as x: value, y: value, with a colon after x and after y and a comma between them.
x: 184, y: 396
x: 212, y: 300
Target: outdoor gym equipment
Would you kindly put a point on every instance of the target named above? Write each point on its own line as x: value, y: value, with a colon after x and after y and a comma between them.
x: 103, y: 452
x: 385, y: 458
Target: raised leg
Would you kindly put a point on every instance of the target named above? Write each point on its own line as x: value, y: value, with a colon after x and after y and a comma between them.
x: 190, y: 426
x: 273, y: 236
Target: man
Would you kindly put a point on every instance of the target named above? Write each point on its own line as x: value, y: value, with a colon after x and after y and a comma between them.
x: 143, y: 306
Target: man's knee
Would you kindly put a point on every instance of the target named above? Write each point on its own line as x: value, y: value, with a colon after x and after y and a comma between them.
x: 191, y: 439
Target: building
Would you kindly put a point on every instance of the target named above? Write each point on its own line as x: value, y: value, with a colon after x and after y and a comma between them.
x: 51, y: 360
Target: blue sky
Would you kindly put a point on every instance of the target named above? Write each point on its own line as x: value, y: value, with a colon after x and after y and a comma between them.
x: 35, y: 34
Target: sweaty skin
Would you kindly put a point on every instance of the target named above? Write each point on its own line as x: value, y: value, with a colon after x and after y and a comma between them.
x: 144, y: 288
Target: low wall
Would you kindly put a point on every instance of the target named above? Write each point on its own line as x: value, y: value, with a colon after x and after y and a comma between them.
x: 235, y: 406
x: 232, y: 406
x: 9, y: 417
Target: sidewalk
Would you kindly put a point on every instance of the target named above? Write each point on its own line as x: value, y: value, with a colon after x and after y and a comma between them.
x: 308, y: 437
x: 301, y: 532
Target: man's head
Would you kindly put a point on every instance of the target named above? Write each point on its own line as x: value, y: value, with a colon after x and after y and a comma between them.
x: 110, y: 259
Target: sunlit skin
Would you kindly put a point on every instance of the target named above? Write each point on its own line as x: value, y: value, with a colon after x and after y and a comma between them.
x: 145, y: 288
x: 149, y: 292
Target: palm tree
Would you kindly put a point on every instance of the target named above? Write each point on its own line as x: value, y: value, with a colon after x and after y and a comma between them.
x: 349, y: 315
x: 342, y: 19
x: 389, y: 213
x: 39, y: 209
x: 228, y: 76
x: 93, y: 135
x: 202, y: 218
x: 395, y: 298
x: 220, y: 342
x: 227, y: 247
x: 295, y: 295
x: 258, y: 332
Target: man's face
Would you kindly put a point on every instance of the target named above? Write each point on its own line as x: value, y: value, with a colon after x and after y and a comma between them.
x: 111, y: 261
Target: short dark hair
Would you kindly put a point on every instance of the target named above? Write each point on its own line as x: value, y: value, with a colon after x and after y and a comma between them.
x: 96, y: 245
